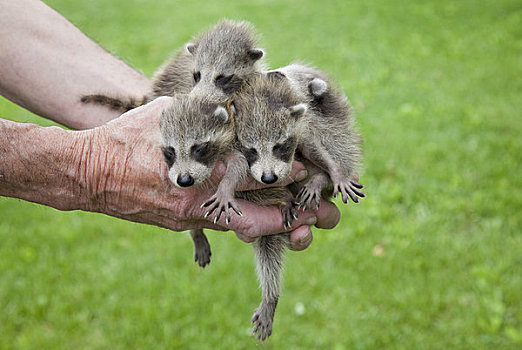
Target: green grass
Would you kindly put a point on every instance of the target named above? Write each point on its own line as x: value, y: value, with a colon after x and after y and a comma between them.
x: 430, y: 260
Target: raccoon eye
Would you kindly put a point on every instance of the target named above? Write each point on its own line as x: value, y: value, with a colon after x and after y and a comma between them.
x: 197, y: 76
x: 199, y: 150
x: 204, y: 153
x: 250, y: 155
x: 285, y: 150
x: 170, y: 155
x: 222, y: 80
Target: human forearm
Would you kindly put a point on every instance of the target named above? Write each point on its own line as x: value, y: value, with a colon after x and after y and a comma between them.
x: 119, y: 169
x: 48, y: 65
x: 38, y: 164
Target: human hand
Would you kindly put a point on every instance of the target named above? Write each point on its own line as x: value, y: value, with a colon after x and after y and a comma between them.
x: 126, y: 177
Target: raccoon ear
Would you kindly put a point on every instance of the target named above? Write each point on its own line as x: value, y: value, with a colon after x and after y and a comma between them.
x: 221, y: 114
x: 317, y: 87
x: 275, y: 75
x: 191, y: 48
x: 298, y: 110
x: 255, y: 54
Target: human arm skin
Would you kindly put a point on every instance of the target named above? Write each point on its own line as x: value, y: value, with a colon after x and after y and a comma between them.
x: 118, y: 169
x: 47, y: 65
x: 46, y: 68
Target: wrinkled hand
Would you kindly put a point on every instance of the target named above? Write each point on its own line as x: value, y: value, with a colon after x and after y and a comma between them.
x: 127, y: 178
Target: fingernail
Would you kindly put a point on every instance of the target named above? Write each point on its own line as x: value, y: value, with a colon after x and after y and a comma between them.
x: 305, y: 239
x: 301, y: 175
x: 311, y: 221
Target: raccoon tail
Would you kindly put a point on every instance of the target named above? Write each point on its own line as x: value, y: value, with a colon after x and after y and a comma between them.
x: 269, y: 252
x: 121, y: 105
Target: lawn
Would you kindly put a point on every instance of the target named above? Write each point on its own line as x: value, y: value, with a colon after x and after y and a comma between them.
x: 432, y: 259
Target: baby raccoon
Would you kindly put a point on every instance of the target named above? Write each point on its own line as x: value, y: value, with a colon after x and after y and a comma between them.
x: 215, y: 64
x: 224, y: 58
x: 195, y: 134
x: 330, y: 141
x: 291, y: 110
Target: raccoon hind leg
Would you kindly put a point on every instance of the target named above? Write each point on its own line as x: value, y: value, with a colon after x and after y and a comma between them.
x: 202, y: 251
x: 269, y: 252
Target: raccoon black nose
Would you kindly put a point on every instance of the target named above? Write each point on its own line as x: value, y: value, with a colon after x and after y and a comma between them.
x: 185, y: 180
x: 269, y: 178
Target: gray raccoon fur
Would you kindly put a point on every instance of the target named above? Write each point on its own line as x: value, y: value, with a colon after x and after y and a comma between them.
x: 268, y: 115
x: 331, y: 141
x: 193, y: 121
x: 294, y: 110
x: 216, y: 64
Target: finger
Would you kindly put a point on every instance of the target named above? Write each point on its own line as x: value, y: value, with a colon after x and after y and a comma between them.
x: 167, y: 222
x: 266, y: 220
x: 245, y: 238
x: 300, y: 238
x: 328, y: 215
x: 152, y: 108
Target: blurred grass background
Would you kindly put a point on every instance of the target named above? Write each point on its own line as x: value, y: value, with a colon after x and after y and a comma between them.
x: 430, y: 260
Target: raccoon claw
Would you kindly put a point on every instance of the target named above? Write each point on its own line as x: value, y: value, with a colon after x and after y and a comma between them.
x: 202, y: 256
x: 289, y: 214
x: 263, y: 319
x: 309, y: 197
x: 356, y: 184
x: 219, y: 206
x: 352, y: 189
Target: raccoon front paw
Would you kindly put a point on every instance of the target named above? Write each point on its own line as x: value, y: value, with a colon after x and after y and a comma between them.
x: 348, y: 188
x: 310, y: 196
x: 263, y: 319
x: 289, y: 214
x: 202, y: 254
x: 221, y: 204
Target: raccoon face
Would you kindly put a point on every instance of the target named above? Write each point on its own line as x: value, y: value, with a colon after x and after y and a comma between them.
x: 270, y: 148
x: 195, y: 134
x: 271, y: 162
x: 220, y: 70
